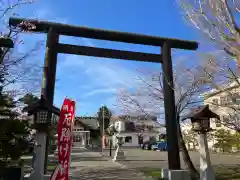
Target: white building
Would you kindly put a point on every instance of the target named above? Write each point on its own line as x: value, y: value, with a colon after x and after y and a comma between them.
x: 134, y: 126
x: 221, y: 102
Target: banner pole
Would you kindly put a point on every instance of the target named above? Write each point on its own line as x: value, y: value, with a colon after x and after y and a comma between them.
x: 72, y: 134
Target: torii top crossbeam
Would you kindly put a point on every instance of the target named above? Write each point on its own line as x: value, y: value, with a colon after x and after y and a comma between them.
x: 80, y: 31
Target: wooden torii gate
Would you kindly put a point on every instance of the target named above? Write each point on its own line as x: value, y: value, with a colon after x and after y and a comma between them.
x: 54, y: 30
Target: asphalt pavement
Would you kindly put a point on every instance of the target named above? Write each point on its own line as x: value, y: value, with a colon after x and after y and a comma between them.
x: 135, y: 158
x: 86, y: 165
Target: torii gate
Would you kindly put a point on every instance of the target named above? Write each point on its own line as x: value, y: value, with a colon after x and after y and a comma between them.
x: 53, y: 31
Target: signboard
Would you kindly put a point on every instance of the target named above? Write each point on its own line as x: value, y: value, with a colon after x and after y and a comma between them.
x: 65, y: 127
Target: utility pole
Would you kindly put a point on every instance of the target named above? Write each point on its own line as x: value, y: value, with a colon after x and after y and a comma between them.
x: 103, y: 129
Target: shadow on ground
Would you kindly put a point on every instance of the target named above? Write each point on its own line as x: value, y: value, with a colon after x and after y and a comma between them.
x: 222, y: 172
x: 140, y: 160
x: 110, y: 174
x: 227, y: 172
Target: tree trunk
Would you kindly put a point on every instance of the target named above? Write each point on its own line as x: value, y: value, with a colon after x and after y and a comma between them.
x: 238, y: 66
x: 186, y: 158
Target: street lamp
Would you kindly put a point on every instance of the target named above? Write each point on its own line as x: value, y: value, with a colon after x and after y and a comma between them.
x: 44, y: 115
x: 200, y: 119
x: 43, y: 112
x: 201, y: 125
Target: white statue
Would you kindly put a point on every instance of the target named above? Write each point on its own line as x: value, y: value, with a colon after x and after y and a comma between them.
x: 115, y: 130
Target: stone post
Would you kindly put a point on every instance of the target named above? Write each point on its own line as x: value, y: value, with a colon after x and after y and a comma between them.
x: 206, y: 170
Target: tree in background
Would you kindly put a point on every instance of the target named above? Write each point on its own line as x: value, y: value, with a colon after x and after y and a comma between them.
x: 236, y: 141
x: 104, y: 113
x: 15, y: 66
x: 219, y: 20
x: 25, y: 101
x: 224, y: 140
x: 190, y: 138
x: 13, y: 132
x: 28, y: 99
x: 223, y: 80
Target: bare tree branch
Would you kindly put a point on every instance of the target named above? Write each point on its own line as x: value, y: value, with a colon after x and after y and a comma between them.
x: 225, y: 84
x: 217, y: 20
x: 16, y: 68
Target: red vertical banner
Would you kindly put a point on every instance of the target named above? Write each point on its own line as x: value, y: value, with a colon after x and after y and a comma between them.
x: 65, y: 127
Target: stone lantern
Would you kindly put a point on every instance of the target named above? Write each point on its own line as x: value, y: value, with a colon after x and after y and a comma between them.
x: 200, y: 119
x: 44, y: 115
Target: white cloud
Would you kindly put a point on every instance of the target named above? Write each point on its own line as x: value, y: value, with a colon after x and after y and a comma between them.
x: 112, y: 75
x: 100, y: 91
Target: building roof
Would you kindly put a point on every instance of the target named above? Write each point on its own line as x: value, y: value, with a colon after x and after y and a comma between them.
x: 41, y: 104
x: 215, y: 92
x: 90, y: 122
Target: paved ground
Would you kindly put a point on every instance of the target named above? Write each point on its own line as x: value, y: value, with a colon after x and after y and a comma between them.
x: 100, y: 167
x: 143, y: 158
x: 87, y: 165
x: 101, y: 170
x: 90, y: 165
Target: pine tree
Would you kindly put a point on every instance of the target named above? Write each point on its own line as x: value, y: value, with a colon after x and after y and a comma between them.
x: 29, y: 99
x: 106, y: 114
x: 13, y: 132
x: 224, y: 140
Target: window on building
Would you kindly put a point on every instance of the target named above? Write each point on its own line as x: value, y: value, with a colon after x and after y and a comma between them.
x: 215, y: 101
x: 229, y: 99
x: 150, y: 127
x: 236, y: 98
x: 218, y: 123
x: 222, y: 100
x: 130, y: 126
x: 128, y: 139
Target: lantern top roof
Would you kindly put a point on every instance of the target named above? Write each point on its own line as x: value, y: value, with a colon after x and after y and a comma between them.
x: 201, y: 112
x: 41, y: 104
x: 6, y: 42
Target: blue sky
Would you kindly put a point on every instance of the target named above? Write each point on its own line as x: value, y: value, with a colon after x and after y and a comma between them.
x: 94, y: 81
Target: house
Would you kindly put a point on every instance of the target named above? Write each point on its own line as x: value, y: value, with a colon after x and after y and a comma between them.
x: 84, y: 129
x: 135, y: 127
